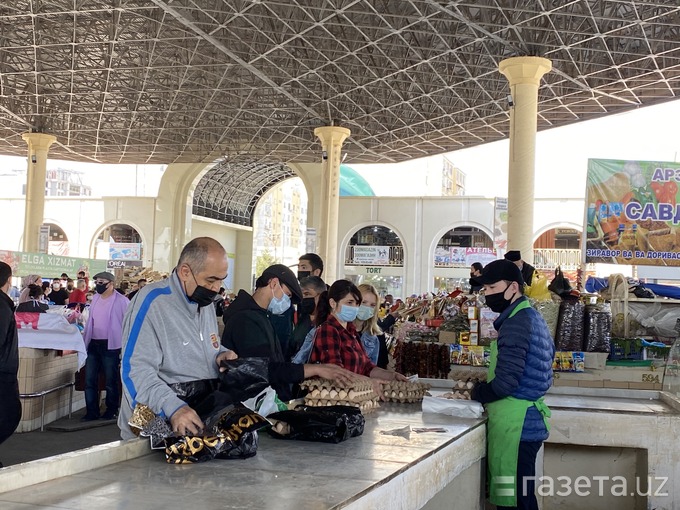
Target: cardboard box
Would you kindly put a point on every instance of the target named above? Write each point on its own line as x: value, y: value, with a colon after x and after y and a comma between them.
x: 474, y: 338
x: 448, y: 337
x: 474, y: 325
x: 472, y: 312
x: 464, y: 338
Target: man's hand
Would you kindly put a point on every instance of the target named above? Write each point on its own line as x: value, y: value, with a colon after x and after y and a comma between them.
x: 333, y: 372
x: 185, y: 422
x: 224, y: 357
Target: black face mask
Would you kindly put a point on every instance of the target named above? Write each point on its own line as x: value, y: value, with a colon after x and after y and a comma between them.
x: 101, y: 287
x: 307, y: 305
x: 497, y: 302
x: 203, y: 296
x: 303, y: 274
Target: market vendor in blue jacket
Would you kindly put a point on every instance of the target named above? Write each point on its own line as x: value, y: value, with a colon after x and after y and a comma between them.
x: 519, y: 375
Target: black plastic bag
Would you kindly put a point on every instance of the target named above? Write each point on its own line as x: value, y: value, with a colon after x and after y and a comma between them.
x: 329, y: 424
x: 598, y: 328
x: 244, y: 378
x: 560, y: 284
x: 194, y: 392
x: 569, y: 335
x: 231, y: 433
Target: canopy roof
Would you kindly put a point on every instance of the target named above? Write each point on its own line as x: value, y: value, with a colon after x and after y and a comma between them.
x: 163, y: 81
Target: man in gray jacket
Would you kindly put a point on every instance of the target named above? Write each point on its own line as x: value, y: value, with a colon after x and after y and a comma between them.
x: 170, y: 336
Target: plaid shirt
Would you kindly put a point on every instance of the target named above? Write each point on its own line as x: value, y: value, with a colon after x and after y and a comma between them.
x: 340, y: 346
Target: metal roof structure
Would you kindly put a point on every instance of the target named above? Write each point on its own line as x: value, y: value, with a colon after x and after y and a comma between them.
x: 163, y: 81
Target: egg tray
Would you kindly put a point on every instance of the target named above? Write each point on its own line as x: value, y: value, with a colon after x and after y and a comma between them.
x: 404, y: 392
x: 461, y: 389
x: 324, y: 392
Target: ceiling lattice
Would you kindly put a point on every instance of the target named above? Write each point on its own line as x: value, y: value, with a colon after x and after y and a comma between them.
x: 163, y: 81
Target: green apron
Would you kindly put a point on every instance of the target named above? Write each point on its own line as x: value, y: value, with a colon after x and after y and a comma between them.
x: 504, y: 431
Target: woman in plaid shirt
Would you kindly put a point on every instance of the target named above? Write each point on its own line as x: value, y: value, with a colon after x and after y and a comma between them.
x: 336, y: 339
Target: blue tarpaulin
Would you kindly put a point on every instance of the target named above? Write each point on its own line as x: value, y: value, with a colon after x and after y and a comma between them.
x: 670, y: 291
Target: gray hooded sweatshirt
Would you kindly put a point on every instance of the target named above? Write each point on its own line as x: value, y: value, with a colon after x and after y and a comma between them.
x: 166, y: 339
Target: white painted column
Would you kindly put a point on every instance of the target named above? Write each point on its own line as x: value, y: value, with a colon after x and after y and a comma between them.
x: 331, y: 138
x: 524, y: 75
x: 38, y: 146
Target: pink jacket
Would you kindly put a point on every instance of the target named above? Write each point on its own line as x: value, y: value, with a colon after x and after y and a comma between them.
x: 118, y: 309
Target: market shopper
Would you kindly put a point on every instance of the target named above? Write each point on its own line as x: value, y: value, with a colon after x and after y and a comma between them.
x: 520, y: 373
x: 366, y: 323
x: 336, y: 339
x: 31, y: 279
x: 58, y: 295
x: 103, y: 339
x: 170, y: 336
x: 309, y: 264
x: 475, y: 273
x: 141, y: 283
x: 79, y: 294
x: 10, y: 405
x: 312, y: 287
x: 248, y: 329
x: 34, y: 303
x: 515, y: 256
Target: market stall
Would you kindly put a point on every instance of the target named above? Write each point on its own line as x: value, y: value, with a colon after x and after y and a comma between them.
x: 376, y: 470
x: 51, y: 350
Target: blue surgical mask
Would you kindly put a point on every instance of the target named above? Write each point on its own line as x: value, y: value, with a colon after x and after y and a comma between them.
x: 365, y: 312
x: 347, y: 313
x: 277, y: 306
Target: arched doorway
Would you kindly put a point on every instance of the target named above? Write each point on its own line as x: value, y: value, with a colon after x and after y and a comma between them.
x: 57, y: 241
x: 559, y: 246
x: 375, y: 255
x: 456, y: 250
x: 119, y: 241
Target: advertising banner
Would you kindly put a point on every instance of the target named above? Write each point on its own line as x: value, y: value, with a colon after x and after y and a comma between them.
x: 49, y: 266
x: 500, y: 225
x: 632, y: 215
x: 125, y: 251
x: 371, y: 255
x: 482, y: 255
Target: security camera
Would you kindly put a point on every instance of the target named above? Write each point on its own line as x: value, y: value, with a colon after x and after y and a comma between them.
x: 511, y: 103
x: 324, y: 155
x: 33, y: 158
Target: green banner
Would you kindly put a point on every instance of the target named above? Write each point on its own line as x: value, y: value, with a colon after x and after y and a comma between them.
x: 632, y: 212
x: 49, y: 266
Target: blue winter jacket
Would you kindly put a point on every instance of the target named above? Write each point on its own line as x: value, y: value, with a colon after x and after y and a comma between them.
x: 524, y: 368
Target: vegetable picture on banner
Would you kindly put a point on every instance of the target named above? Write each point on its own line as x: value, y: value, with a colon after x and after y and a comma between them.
x: 632, y: 215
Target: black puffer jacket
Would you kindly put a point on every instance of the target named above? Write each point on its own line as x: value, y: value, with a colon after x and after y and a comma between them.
x: 9, y: 341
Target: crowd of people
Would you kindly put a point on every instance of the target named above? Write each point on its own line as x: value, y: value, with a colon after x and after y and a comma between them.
x: 166, y: 333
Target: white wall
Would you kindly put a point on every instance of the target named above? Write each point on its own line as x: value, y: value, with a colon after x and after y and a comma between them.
x: 420, y: 222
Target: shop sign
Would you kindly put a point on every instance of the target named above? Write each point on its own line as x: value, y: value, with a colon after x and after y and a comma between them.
x: 371, y: 255
x: 48, y: 266
x: 125, y: 251
x: 119, y: 264
x: 500, y: 225
x: 632, y: 213
x: 373, y: 270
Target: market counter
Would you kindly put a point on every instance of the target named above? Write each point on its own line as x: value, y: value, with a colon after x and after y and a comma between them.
x: 427, y: 470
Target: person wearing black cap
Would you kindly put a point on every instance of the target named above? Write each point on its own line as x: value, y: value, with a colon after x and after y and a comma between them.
x: 520, y: 373
x: 248, y: 330
x: 103, y: 336
x: 527, y: 269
